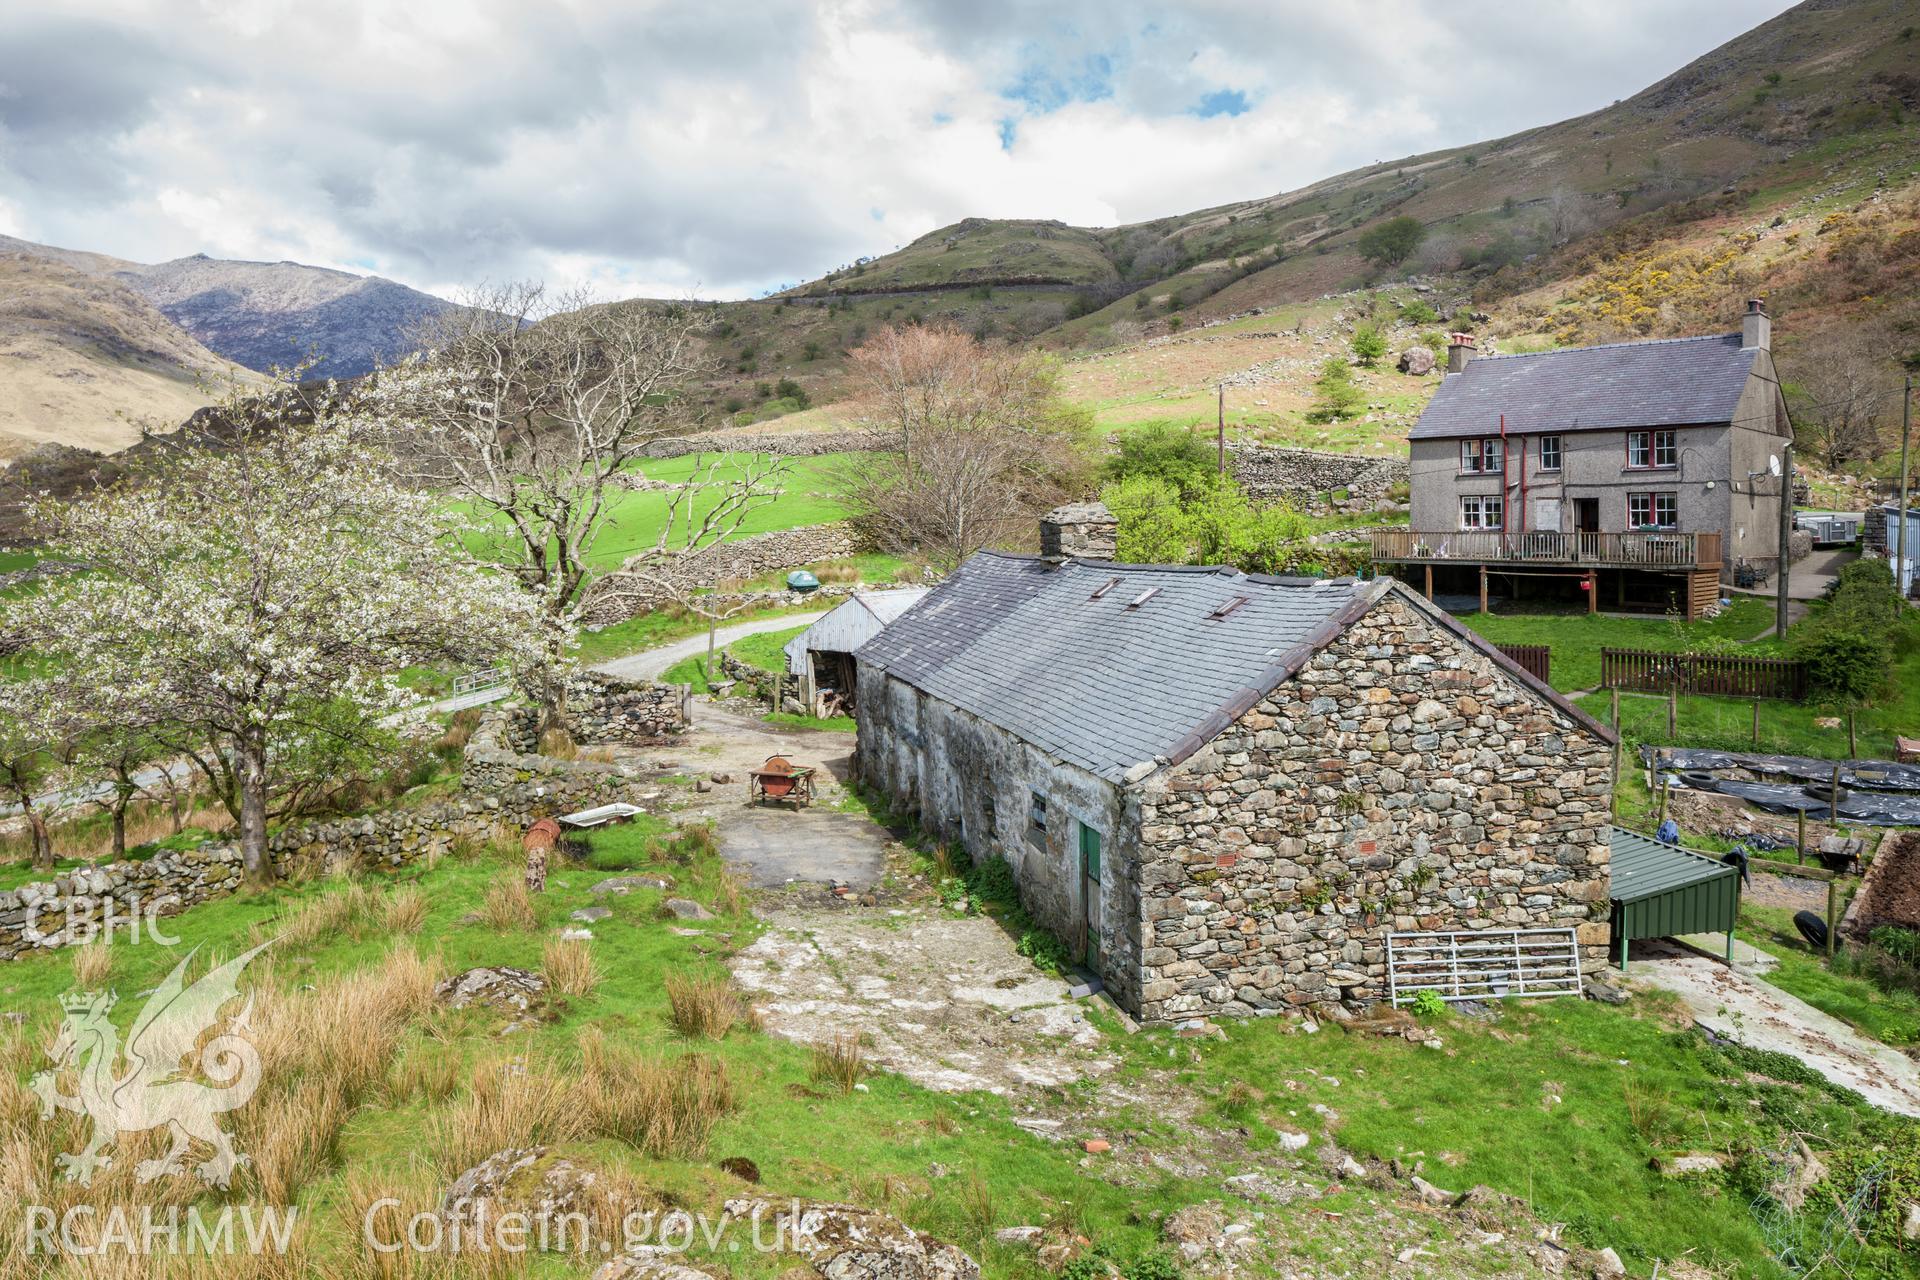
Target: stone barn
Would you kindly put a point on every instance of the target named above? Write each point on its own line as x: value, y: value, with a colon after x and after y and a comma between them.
x: 1225, y: 790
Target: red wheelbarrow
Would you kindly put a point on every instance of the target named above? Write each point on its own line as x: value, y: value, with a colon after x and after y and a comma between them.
x: 780, y: 779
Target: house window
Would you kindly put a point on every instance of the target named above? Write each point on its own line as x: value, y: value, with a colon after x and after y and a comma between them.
x: 1481, y: 513
x: 1653, y: 510
x: 1549, y: 453
x: 1478, y: 457
x: 1648, y: 449
x: 1037, y: 813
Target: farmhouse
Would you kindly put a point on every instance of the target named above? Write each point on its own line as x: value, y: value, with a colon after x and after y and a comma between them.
x: 822, y: 655
x: 1643, y: 472
x: 1227, y: 790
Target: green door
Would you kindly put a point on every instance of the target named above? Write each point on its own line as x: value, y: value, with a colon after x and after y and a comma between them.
x: 1090, y: 891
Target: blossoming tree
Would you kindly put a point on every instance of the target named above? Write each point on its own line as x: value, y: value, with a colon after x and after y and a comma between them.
x: 261, y: 581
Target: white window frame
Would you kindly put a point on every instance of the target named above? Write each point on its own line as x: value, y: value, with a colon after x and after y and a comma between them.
x: 1476, y: 509
x: 1481, y: 456
x: 1651, y: 445
x: 1653, y: 500
x: 1558, y: 455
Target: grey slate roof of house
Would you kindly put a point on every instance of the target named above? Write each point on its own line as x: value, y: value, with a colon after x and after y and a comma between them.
x: 1668, y: 383
x: 1022, y: 643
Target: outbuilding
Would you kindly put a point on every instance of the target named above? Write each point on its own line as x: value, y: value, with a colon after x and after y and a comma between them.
x: 1664, y: 891
x: 1233, y: 793
x: 822, y: 655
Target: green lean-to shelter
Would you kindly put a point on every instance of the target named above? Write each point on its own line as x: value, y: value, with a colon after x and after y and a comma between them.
x: 1664, y: 891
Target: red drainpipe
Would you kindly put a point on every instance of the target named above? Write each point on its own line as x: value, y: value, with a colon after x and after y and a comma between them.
x: 1505, y: 524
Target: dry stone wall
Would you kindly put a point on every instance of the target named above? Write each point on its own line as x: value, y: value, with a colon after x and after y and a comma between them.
x: 1402, y: 781
x: 624, y: 594
x: 1304, y: 477
x: 786, y: 444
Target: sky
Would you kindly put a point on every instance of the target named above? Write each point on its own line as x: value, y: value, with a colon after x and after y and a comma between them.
x: 723, y: 148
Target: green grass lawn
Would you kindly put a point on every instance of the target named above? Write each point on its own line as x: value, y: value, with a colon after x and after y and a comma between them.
x: 1891, y: 1017
x: 636, y: 517
x: 761, y: 650
x: 1578, y: 638
x: 14, y: 561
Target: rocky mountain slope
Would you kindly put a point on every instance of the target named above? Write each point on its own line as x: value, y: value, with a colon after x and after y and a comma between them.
x: 85, y: 360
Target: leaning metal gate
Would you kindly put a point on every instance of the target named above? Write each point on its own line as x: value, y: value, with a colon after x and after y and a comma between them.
x: 1483, y: 964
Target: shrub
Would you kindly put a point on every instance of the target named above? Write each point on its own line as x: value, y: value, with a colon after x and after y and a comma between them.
x: 1419, y: 311
x: 1428, y: 1004
x: 840, y: 1062
x: 570, y: 968
x: 1845, y: 662
x: 1390, y: 243
x: 1338, y: 398
x: 1369, y: 344
x: 1163, y: 451
x: 701, y: 1007
x: 508, y: 905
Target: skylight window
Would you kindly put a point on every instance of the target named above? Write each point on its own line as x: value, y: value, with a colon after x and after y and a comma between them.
x: 1104, y: 587
x: 1143, y: 597
x: 1230, y: 606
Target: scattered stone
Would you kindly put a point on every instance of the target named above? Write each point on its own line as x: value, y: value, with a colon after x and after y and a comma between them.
x: 1417, y: 361
x: 501, y: 987
x: 702, y: 785
x: 1606, y: 1264
x: 1910, y: 1221
x: 1428, y: 1193
x: 721, y: 779
x: 741, y: 1168
x: 845, y: 1242
x: 1293, y: 1139
x: 1603, y: 991
x: 1039, y: 1127
x: 1096, y: 1146
x: 590, y: 915
x: 576, y: 935
x: 1019, y: 1235
x: 650, y: 1262
x: 1689, y: 1164
x: 623, y: 885
x: 1352, y: 1169
x: 1192, y: 1230
x: 686, y: 909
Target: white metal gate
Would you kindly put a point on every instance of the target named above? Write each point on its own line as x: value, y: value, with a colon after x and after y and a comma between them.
x: 1483, y: 964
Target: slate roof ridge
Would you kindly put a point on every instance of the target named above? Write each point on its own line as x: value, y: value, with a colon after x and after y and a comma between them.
x: 1604, y: 346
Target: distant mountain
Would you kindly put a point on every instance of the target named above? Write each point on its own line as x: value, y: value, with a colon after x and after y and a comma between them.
x: 268, y: 314
x: 85, y: 359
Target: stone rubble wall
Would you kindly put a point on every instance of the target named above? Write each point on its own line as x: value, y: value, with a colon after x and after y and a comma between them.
x: 62, y: 909
x: 1304, y: 477
x: 785, y: 444
x: 602, y: 710
x: 1400, y: 782
x: 624, y: 594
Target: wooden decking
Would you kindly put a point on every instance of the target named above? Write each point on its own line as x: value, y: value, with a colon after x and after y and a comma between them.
x: 1658, y: 552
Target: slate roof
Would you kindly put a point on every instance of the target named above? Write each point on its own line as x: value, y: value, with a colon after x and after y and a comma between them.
x: 1642, y: 867
x: 1022, y: 643
x: 1668, y: 383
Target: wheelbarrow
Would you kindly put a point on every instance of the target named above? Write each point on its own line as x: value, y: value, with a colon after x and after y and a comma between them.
x: 779, y: 779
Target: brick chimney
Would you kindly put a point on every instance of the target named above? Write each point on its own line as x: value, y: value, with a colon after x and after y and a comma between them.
x: 1756, y: 327
x: 1459, y: 351
x: 1080, y: 531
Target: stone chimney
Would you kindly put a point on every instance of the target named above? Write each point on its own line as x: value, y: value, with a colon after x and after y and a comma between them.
x: 1080, y: 531
x: 1756, y: 327
x: 1459, y: 351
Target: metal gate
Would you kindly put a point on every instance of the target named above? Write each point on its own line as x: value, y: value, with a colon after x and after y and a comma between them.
x: 1483, y: 964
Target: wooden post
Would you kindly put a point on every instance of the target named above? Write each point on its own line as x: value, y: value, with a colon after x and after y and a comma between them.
x: 1756, y: 722
x: 1666, y: 789
x: 1593, y: 593
x: 1673, y: 715
x: 1800, y: 845
x: 1616, y: 709
x: 1853, y: 743
x: 1223, y: 429
x: 1483, y: 588
x: 1833, y: 914
x: 1429, y: 584
x: 1833, y: 799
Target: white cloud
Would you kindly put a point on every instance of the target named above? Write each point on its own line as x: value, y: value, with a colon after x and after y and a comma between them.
x: 664, y: 148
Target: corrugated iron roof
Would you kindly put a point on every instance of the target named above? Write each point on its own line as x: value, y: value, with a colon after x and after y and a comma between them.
x: 1666, y: 383
x: 1643, y: 868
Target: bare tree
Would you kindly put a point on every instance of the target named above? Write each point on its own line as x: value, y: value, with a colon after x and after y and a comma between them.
x: 528, y: 406
x: 1843, y: 398
x: 983, y: 440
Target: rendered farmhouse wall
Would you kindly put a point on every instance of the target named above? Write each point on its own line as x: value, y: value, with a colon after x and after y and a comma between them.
x: 973, y: 784
x: 1401, y: 781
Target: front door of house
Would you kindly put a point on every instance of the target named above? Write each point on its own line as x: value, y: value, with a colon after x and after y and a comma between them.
x: 1586, y: 515
x: 1090, y: 891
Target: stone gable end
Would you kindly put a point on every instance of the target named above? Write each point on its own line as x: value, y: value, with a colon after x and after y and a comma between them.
x: 1400, y: 781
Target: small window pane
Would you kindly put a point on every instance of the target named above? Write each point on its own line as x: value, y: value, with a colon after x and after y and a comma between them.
x: 1637, y: 455
x: 1550, y: 453
x: 1038, y: 812
x: 1663, y: 451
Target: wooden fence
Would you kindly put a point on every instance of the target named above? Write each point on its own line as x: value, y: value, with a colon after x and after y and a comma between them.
x: 1641, y: 671
x: 1534, y: 659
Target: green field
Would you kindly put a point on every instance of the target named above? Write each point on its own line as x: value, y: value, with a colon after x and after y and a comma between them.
x: 1578, y: 638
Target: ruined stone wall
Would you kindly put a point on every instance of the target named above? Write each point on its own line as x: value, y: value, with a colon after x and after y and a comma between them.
x: 1401, y: 781
x: 785, y: 444
x: 62, y: 909
x: 1304, y: 477
x: 972, y: 784
x: 624, y: 595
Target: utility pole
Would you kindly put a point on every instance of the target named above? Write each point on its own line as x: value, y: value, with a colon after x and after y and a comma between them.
x: 1786, y: 538
x: 1222, y: 437
x: 1900, y: 536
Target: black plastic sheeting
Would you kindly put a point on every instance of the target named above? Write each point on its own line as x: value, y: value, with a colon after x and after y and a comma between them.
x: 1691, y: 769
x: 1868, y: 775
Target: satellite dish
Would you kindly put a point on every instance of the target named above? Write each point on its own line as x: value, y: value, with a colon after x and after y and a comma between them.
x: 1773, y: 465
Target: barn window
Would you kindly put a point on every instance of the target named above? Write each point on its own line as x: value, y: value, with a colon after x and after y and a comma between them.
x: 1037, y: 813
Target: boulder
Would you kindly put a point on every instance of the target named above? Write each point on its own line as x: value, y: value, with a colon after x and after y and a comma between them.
x: 622, y: 885
x: 501, y: 987
x: 687, y: 909
x: 1417, y: 361
x: 650, y: 1262
x: 590, y: 915
x: 524, y: 1180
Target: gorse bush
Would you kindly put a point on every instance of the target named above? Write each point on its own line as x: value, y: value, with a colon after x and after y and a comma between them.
x: 1338, y: 397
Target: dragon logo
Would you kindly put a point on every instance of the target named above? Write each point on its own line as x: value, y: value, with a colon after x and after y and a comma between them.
x: 173, y: 1074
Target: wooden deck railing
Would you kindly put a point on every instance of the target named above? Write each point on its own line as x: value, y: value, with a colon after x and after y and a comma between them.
x: 1726, y: 674
x: 1485, y: 546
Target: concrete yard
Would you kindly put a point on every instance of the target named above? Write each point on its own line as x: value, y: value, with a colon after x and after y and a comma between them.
x: 1747, y: 1010
x: 776, y: 846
